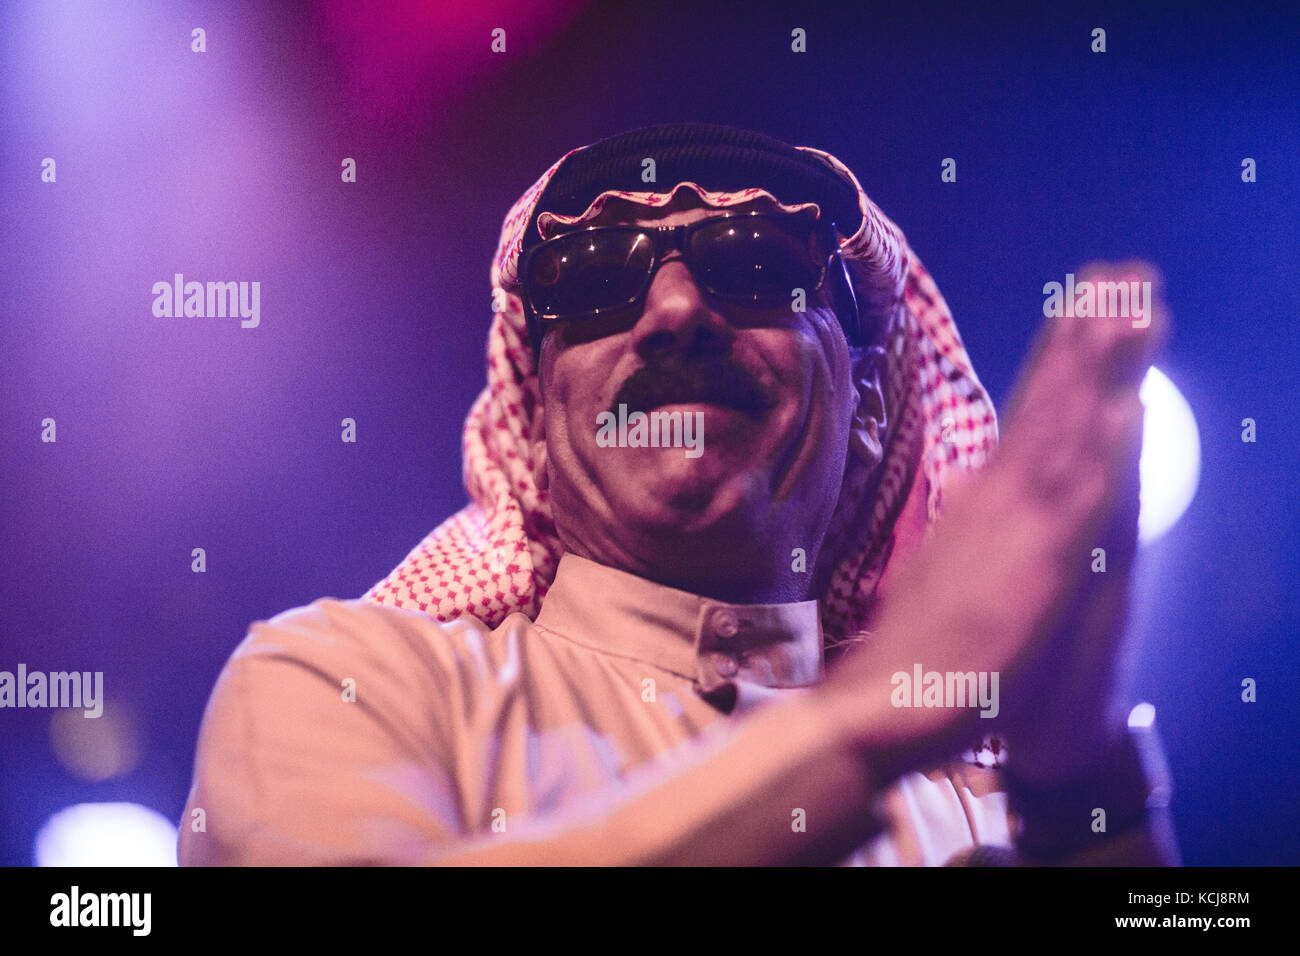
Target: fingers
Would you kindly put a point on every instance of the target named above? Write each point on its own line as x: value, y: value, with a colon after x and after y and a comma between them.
x: 1070, y: 683
x: 1147, y: 315
x: 1076, y: 404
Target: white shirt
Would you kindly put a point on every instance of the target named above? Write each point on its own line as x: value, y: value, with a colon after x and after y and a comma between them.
x: 630, y: 724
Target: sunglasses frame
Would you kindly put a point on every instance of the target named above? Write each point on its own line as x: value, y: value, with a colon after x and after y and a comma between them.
x: 667, y: 239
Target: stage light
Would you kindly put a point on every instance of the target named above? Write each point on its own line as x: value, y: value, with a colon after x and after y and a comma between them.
x: 1171, y: 456
x: 107, y: 746
x: 106, y: 834
x: 1142, y: 715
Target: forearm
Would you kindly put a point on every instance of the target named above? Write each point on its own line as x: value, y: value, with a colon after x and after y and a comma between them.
x: 785, y: 788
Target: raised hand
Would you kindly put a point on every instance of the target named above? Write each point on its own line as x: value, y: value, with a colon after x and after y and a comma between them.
x: 1005, y: 582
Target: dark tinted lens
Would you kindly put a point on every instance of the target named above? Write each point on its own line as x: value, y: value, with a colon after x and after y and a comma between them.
x: 755, y: 259
x: 583, y: 272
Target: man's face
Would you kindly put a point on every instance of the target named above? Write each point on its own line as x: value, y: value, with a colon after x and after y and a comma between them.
x: 775, y: 423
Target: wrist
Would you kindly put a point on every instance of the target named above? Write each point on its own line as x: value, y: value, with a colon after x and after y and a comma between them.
x: 1068, y: 743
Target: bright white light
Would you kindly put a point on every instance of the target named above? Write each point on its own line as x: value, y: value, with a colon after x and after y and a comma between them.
x: 107, y: 834
x: 1171, y: 456
x: 1143, y: 715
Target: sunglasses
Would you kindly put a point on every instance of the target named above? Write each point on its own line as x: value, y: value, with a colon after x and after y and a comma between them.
x: 755, y: 260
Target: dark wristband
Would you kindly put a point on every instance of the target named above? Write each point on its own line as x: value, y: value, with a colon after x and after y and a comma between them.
x: 1130, y: 780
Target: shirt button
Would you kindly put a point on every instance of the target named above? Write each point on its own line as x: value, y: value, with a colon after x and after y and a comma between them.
x: 725, y: 623
x: 726, y: 665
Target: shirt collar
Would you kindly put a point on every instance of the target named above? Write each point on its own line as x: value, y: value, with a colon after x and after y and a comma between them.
x: 710, y: 642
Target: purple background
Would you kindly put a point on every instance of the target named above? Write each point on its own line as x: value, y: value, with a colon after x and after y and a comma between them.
x: 183, y: 433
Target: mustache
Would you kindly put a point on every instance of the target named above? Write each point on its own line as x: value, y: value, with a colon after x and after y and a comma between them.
x: 717, y: 382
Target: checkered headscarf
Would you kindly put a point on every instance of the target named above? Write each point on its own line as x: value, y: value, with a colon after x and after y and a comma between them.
x: 498, y: 554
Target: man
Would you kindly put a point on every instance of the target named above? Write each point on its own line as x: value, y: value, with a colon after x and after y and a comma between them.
x: 615, y: 654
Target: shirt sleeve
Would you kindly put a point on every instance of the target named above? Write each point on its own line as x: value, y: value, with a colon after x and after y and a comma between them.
x: 321, y: 747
